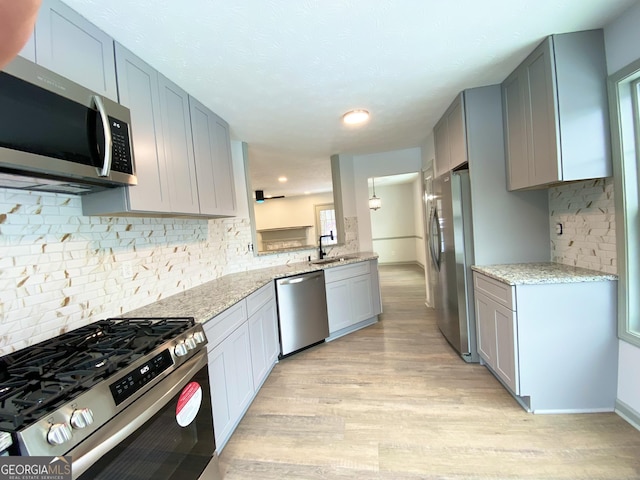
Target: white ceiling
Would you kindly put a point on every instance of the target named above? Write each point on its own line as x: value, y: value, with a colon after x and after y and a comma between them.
x: 282, y: 72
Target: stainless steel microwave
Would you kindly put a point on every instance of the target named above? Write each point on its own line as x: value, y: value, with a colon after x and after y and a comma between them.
x: 56, y: 135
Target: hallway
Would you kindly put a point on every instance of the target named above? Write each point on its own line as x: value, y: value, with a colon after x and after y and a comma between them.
x: 394, y: 402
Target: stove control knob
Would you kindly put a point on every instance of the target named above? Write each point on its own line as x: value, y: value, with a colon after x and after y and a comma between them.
x: 59, y: 433
x: 199, y: 336
x: 181, y: 349
x: 82, y: 417
x: 191, y: 343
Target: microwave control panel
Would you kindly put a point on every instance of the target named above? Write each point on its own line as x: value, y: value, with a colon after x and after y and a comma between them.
x: 121, y: 158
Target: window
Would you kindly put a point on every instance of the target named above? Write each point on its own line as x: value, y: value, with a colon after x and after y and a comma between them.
x: 624, y: 101
x: 326, y: 223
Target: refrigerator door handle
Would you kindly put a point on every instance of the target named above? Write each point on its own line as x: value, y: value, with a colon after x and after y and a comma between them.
x: 435, y: 239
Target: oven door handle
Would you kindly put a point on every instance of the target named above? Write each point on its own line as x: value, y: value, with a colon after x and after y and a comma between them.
x: 134, y: 416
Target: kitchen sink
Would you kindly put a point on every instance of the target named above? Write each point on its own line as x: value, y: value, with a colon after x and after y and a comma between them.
x: 337, y: 259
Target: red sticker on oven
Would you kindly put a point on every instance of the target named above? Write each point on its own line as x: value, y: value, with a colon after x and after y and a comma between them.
x: 188, y: 404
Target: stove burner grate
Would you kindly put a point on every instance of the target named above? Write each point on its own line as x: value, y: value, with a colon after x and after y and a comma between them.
x: 40, y: 378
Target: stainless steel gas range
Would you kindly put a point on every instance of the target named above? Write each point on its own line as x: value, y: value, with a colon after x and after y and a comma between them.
x: 125, y: 398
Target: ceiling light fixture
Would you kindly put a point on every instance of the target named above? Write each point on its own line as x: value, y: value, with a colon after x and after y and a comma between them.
x: 355, y: 117
x: 374, y: 202
x: 282, y: 179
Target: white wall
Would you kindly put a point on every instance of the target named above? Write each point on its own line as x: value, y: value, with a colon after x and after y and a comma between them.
x: 291, y: 212
x: 394, y: 227
x: 622, y: 46
x: 378, y: 165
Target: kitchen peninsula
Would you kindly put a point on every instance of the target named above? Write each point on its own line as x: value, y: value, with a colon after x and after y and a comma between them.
x: 238, y: 313
x: 210, y: 299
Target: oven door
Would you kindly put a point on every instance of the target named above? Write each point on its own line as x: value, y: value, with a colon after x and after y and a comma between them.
x: 167, y: 434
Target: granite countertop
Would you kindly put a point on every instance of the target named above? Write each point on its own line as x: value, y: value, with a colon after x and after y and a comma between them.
x: 209, y: 299
x: 540, y: 273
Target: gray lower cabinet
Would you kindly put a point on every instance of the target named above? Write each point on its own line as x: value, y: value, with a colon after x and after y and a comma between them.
x: 353, y: 297
x: 553, y: 346
x: 263, y: 333
x: 555, y: 95
x: 243, y: 348
x: 71, y: 46
x: 231, y: 380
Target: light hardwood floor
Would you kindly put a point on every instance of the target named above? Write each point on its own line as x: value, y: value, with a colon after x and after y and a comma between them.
x: 394, y: 402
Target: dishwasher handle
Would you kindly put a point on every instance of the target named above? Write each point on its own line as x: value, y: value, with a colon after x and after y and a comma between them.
x: 305, y: 277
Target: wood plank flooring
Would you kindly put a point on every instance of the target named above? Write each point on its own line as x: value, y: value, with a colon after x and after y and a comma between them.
x: 394, y: 402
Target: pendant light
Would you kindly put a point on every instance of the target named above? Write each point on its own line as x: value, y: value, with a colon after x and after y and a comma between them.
x: 374, y: 202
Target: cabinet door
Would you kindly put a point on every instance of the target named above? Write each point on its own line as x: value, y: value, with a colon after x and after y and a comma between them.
x: 263, y: 335
x: 231, y: 382
x: 441, y: 140
x: 212, y: 152
x: 360, y: 291
x: 506, y: 347
x: 486, y: 326
x: 138, y: 86
x: 178, y: 147
x: 69, y: 45
x: 29, y: 49
x: 338, y: 305
x: 542, y: 129
x: 514, y: 111
x: 498, y: 339
x: 456, y: 133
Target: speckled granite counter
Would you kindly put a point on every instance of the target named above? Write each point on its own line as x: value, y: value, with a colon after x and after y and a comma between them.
x: 540, y: 273
x: 208, y: 300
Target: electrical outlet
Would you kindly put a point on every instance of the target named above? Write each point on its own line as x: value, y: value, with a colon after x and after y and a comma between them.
x: 127, y: 271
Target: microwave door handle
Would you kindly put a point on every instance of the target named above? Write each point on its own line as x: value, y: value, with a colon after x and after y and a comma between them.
x: 108, y: 140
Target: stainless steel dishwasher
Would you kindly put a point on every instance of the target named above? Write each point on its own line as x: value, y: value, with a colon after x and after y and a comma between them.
x: 302, y: 311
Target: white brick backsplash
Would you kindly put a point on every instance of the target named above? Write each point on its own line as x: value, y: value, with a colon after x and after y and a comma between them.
x: 586, y: 211
x: 60, y: 270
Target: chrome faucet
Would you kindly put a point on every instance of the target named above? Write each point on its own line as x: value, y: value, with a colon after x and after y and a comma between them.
x: 322, y: 254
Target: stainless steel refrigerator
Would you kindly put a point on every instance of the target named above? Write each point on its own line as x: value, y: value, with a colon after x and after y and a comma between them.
x: 451, y: 252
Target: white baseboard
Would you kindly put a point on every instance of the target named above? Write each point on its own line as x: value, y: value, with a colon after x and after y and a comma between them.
x: 628, y: 413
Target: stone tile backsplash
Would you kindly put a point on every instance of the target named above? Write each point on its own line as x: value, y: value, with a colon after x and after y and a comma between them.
x: 586, y: 211
x: 60, y: 270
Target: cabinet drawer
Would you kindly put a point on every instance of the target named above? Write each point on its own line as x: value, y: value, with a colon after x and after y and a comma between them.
x: 498, y: 291
x: 347, y: 271
x: 222, y: 325
x: 260, y: 297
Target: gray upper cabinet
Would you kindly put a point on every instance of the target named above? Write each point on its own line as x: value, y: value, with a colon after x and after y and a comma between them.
x: 450, y: 138
x: 178, y: 147
x: 550, y: 102
x: 164, y: 137
x: 138, y: 85
x: 164, y: 162
x: 139, y: 91
x: 214, y: 169
x: 68, y: 44
x: 29, y: 49
x: 441, y: 141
